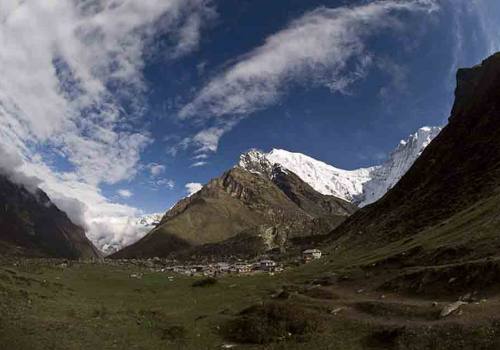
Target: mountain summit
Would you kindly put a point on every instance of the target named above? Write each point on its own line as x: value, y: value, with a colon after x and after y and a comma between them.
x: 361, y: 186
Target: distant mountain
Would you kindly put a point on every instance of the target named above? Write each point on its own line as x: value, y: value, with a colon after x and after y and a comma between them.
x: 31, y: 225
x: 149, y: 220
x: 242, y: 212
x: 361, y: 186
x: 446, y: 208
x: 141, y: 225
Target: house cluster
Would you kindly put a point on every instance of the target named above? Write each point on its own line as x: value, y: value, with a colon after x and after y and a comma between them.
x: 234, y: 266
x: 224, y: 268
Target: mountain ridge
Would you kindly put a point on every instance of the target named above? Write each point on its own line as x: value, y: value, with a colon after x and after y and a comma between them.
x: 32, y: 225
x: 361, y: 186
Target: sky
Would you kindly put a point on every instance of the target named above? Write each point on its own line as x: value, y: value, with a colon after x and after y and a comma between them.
x: 118, y: 108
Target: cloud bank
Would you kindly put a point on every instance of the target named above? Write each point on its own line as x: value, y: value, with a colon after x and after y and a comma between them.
x: 71, y: 95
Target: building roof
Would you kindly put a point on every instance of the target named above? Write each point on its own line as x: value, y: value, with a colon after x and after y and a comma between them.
x: 311, y: 251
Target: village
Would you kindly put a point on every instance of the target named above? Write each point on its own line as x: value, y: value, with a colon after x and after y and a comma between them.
x: 264, y: 264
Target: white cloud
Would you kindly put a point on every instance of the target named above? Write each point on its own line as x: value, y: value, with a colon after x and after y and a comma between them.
x: 193, y: 187
x: 206, y: 140
x: 168, y: 183
x: 156, y: 169
x: 325, y: 47
x: 72, y: 87
x: 124, y: 193
x: 198, y: 164
x: 201, y: 156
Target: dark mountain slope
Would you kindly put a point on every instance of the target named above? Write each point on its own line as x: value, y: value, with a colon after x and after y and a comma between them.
x: 31, y: 225
x: 456, y: 177
x: 241, y: 204
x: 308, y: 199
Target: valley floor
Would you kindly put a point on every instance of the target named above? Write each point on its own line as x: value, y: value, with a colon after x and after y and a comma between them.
x: 54, y: 305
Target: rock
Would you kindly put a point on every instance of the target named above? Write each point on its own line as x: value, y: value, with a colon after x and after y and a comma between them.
x: 336, y: 310
x: 228, y: 346
x: 469, y: 298
x: 434, y: 304
x: 280, y: 294
x: 450, y: 308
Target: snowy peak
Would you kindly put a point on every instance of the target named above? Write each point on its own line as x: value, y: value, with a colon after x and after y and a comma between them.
x: 149, y: 220
x: 324, y: 178
x: 256, y: 162
x: 361, y: 186
x: 384, y: 177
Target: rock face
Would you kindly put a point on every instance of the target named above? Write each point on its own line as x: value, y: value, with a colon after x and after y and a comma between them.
x: 449, y: 200
x: 31, y: 225
x: 263, y: 209
x: 361, y: 186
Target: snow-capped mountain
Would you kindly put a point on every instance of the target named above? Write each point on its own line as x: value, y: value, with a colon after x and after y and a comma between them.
x: 324, y: 178
x: 149, y: 220
x: 361, y: 186
x: 135, y: 228
x: 385, y: 176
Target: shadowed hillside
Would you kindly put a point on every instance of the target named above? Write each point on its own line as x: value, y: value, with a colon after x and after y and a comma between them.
x: 446, y: 208
x: 31, y: 225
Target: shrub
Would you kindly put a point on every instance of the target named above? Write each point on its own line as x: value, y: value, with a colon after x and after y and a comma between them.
x: 270, y: 322
x: 173, y: 333
x: 205, y: 282
x: 320, y: 293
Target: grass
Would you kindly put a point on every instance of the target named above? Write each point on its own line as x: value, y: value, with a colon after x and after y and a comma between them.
x: 84, y: 306
x: 102, y: 307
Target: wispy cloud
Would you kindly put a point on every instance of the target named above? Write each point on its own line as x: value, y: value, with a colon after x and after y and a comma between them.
x: 325, y: 47
x: 165, y: 183
x: 487, y: 12
x: 198, y: 164
x: 125, y: 193
x: 156, y: 169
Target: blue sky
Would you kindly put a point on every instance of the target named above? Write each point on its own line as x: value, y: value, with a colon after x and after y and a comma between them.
x: 126, y: 101
x: 409, y: 84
